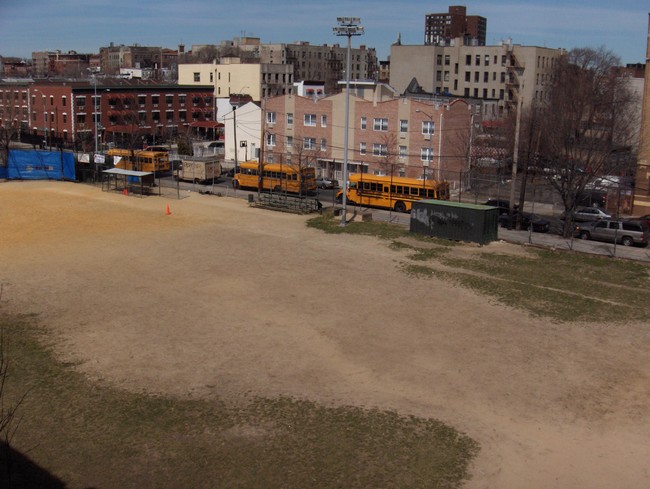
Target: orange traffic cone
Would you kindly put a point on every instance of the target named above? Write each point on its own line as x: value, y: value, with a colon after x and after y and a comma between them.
x: 125, y: 191
x: 168, y: 212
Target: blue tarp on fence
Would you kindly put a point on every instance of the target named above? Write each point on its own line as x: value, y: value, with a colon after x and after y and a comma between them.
x: 39, y: 165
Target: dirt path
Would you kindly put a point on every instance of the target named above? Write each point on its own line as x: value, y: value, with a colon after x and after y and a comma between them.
x: 222, y: 299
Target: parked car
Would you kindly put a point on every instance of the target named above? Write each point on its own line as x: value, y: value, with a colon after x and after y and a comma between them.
x: 586, y: 214
x: 627, y: 233
x: 322, y: 182
x: 503, y: 205
x: 644, y: 219
x: 540, y: 225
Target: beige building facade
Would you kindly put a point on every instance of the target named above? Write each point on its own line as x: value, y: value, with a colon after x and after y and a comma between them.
x: 503, y: 72
x: 233, y: 77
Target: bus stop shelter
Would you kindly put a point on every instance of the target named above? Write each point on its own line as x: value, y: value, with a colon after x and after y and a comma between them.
x: 119, y: 180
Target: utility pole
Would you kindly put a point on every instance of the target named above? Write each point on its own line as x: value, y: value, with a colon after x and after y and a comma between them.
x: 347, y: 26
x: 515, y: 155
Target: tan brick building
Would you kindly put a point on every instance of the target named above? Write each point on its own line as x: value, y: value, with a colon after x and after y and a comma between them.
x: 398, y: 136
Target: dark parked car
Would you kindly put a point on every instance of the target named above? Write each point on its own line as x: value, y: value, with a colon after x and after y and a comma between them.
x: 627, y: 233
x: 540, y: 225
x: 644, y: 219
x: 503, y: 205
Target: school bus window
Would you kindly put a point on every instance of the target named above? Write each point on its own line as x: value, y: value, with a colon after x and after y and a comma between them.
x: 415, y: 191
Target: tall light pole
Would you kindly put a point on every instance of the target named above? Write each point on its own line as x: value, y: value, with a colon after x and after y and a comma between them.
x: 347, y: 26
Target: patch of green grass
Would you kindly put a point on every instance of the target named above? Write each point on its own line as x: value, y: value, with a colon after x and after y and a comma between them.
x: 564, y: 286
x: 332, y: 225
x: 90, y: 434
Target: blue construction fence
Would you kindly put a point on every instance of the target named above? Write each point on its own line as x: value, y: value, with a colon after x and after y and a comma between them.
x: 39, y: 165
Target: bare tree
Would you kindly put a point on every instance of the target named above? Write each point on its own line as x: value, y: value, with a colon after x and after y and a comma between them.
x: 305, y: 153
x: 9, y: 129
x: 585, y: 121
x: 387, y: 161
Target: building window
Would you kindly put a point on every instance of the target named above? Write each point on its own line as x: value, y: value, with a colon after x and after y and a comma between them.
x: 65, y: 118
x: 197, y: 77
x: 468, y: 60
x: 486, y: 77
x: 169, y: 115
x: 270, y: 117
x: 403, y: 126
x: 289, y: 119
x: 477, y: 76
x: 169, y: 99
x: 402, y: 151
x: 427, y: 128
x: 181, y: 99
x: 310, y: 119
x: 362, y: 148
x: 487, y: 60
x: 438, y: 76
x: 439, y: 60
x: 447, y: 60
x: 63, y: 101
x: 270, y: 139
x: 468, y: 76
x: 426, y: 154
x: 363, y: 123
x: 323, y: 144
x: 380, y: 124
x: 310, y: 143
x: 289, y: 141
x: 81, y: 118
x: 379, y: 149
x: 142, y: 99
x: 323, y: 120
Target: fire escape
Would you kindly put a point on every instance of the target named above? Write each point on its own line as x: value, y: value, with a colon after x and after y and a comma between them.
x: 514, y: 80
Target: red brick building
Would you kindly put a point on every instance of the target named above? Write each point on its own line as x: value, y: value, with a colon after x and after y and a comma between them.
x: 112, y: 110
x: 398, y: 136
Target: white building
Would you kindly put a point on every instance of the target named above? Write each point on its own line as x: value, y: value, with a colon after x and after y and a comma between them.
x: 243, y: 133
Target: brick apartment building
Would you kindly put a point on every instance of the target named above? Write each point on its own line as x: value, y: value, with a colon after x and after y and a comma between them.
x: 74, y: 113
x: 441, y: 28
x: 325, y: 62
x: 398, y: 136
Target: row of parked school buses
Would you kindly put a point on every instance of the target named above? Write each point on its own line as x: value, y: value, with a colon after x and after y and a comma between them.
x: 388, y: 192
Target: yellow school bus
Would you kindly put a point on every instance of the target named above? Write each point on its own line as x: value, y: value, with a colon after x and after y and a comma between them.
x: 390, y: 192
x: 140, y: 160
x: 276, y: 177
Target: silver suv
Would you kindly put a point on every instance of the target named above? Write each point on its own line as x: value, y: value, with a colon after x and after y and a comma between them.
x: 627, y: 233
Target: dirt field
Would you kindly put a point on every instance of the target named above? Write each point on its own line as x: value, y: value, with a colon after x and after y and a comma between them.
x: 222, y: 298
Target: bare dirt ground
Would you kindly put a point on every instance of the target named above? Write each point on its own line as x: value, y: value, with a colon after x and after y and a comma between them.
x: 222, y: 299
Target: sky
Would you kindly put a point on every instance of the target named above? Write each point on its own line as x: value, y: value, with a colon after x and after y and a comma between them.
x: 621, y: 26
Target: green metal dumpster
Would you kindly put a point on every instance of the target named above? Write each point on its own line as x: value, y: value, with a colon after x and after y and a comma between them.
x: 455, y: 220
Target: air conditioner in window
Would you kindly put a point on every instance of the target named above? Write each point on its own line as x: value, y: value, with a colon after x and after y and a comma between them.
x: 427, y: 137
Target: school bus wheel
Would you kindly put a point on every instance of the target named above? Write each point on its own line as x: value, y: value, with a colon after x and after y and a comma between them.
x: 400, y: 206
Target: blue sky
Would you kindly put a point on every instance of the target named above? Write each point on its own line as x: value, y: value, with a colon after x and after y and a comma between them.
x: 85, y: 25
